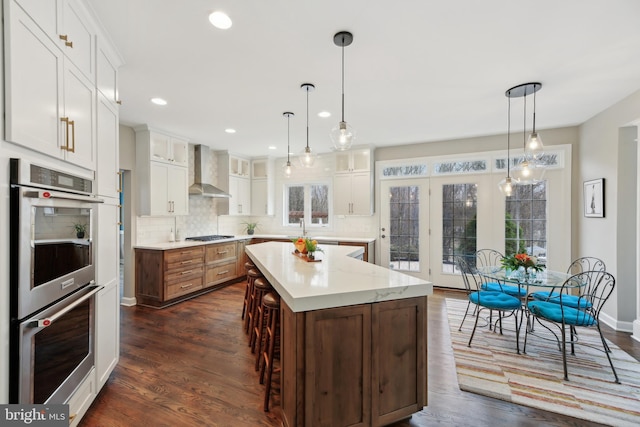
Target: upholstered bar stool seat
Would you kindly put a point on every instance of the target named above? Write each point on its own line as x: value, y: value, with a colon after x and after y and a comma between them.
x: 252, y: 275
x: 271, y: 346
x: 260, y: 288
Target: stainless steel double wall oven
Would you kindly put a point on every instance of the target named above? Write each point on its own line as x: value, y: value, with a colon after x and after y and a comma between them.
x: 53, y: 289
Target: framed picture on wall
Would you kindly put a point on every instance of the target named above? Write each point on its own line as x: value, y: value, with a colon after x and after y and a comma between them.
x: 594, y: 198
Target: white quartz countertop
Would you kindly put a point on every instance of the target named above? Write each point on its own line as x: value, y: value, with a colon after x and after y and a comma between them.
x: 162, y: 246
x: 337, y: 280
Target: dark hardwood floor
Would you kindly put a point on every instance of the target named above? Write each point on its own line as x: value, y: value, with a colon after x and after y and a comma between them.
x: 190, y: 365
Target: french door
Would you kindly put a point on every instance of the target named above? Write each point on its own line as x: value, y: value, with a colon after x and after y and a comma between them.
x: 404, y: 226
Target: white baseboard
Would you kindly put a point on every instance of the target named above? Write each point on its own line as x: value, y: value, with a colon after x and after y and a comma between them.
x: 128, y: 302
x: 616, y: 324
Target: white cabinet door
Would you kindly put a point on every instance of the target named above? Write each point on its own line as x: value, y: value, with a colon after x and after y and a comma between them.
x: 178, y: 190
x: 167, y: 149
x: 342, y: 195
x: 79, y: 107
x: 106, y: 71
x: 79, y: 45
x: 244, y: 196
x: 158, y: 193
x: 107, y: 343
x: 259, y: 197
x: 107, y: 126
x: 352, y: 194
x: 45, y: 13
x: 33, y: 84
x: 361, y: 194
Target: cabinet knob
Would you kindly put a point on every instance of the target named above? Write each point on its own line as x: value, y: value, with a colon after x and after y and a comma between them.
x: 119, y: 102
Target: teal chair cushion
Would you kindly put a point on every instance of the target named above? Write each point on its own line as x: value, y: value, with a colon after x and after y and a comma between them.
x: 567, y: 300
x: 494, y: 300
x: 552, y: 311
x: 514, y: 291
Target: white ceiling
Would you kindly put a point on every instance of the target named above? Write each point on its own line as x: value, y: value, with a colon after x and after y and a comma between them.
x: 417, y: 71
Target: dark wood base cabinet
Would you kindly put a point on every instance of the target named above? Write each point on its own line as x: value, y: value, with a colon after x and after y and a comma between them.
x: 362, y: 365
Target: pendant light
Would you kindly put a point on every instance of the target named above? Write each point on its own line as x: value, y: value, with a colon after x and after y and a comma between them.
x: 343, y: 134
x: 529, y: 170
x: 288, y: 167
x: 535, y: 147
x: 506, y: 184
x: 307, y: 157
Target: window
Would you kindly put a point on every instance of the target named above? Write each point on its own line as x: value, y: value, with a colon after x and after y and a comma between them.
x: 526, y: 220
x: 459, y: 213
x: 404, y: 228
x: 308, y: 202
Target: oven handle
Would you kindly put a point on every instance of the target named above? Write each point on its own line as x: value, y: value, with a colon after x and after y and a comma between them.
x: 47, y: 194
x: 48, y: 321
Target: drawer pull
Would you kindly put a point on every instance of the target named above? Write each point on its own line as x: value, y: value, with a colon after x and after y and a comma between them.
x: 223, y: 272
x: 223, y: 252
x: 187, y: 261
x: 186, y: 286
x: 187, y: 272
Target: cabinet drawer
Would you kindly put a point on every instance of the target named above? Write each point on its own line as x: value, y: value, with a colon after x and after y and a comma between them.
x: 183, y: 287
x: 221, y: 273
x: 221, y: 251
x: 183, y: 274
x: 183, y: 257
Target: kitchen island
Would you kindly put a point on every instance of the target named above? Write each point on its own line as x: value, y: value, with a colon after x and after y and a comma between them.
x: 353, y: 337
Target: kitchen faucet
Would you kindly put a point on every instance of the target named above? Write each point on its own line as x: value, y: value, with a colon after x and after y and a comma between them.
x: 304, y: 229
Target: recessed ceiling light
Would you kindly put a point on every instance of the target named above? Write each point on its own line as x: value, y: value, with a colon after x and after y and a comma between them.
x: 273, y: 147
x: 230, y: 130
x: 220, y: 20
x: 158, y: 101
x: 324, y: 114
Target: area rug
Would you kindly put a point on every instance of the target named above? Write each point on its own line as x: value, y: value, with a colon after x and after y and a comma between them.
x: 492, y: 367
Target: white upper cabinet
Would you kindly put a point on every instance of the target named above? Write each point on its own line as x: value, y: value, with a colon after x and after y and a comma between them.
x: 50, y: 94
x: 168, y: 149
x: 163, y: 175
x: 67, y: 24
x: 234, y: 177
x: 357, y: 160
x: 353, y: 182
x: 262, y: 186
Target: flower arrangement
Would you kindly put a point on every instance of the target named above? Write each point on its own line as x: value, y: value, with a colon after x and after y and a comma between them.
x: 516, y: 261
x: 305, y: 245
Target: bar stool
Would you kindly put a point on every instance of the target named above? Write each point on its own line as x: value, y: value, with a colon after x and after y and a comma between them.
x: 247, y: 290
x: 271, y: 348
x: 260, y: 288
x: 252, y: 275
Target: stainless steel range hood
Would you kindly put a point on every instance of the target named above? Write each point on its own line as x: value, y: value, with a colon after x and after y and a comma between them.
x: 202, y: 173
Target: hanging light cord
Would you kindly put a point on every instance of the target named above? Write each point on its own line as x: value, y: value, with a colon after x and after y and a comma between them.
x: 509, y: 136
x: 307, y: 88
x: 524, y: 131
x: 288, y: 149
x: 534, y: 112
x: 343, y: 78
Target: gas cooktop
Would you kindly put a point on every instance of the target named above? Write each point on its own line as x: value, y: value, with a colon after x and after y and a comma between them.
x: 209, y: 238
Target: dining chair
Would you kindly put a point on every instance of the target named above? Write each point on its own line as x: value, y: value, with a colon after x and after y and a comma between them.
x: 491, y: 300
x: 490, y: 257
x: 584, y: 312
x: 580, y: 265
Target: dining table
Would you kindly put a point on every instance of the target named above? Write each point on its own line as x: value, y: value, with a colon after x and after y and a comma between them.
x: 544, y: 280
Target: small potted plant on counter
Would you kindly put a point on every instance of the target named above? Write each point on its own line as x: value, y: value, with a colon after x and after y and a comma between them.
x: 80, y: 229
x: 250, y: 227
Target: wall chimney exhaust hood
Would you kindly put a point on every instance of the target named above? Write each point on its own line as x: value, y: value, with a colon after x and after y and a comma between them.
x: 202, y: 173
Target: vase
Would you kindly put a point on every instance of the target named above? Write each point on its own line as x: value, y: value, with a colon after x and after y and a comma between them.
x: 250, y: 232
x: 311, y: 255
x: 80, y: 234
